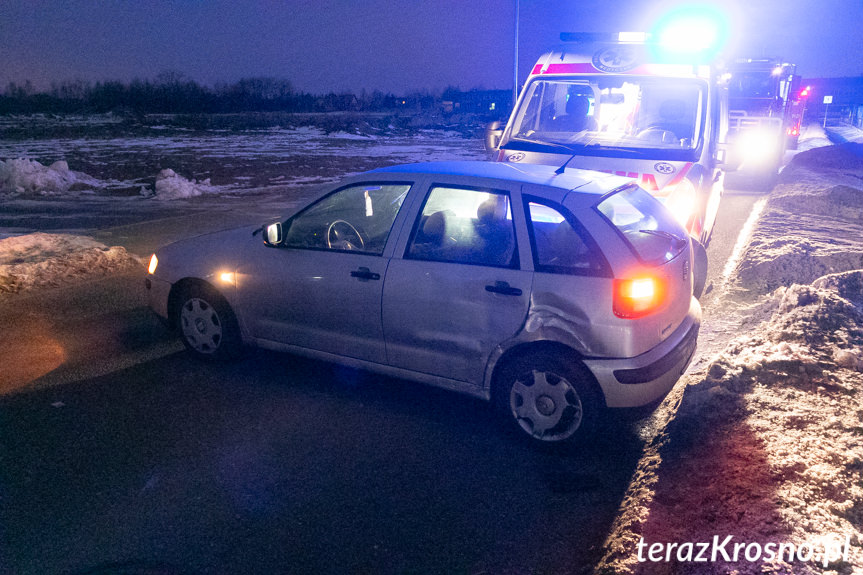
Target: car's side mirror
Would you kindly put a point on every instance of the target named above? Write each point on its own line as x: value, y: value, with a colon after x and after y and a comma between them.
x: 493, y: 134
x: 726, y: 158
x: 273, y: 234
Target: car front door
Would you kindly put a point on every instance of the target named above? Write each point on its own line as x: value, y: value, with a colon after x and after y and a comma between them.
x: 320, y: 288
x: 457, y: 291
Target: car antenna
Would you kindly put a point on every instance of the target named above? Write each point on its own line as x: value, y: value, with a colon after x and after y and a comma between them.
x: 561, y: 169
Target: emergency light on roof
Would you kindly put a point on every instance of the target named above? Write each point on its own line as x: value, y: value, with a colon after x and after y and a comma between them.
x: 588, y: 37
x: 633, y: 36
x: 630, y: 37
x: 698, y: 29
x: 688, y: 34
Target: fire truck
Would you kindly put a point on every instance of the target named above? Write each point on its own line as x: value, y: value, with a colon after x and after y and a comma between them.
x: 623, y: 105
x: 764, y: 116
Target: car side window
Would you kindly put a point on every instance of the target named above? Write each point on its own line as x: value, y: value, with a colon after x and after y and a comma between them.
x: 467, y: 226
x: 558, y: 247
x: 356, y: 218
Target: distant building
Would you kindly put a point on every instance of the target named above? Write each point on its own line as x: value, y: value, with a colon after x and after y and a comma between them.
x: 845, y: 100
x: 495, y: 103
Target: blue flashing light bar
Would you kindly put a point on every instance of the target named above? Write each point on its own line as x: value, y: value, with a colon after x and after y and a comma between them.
x: 698, y: 29
x: 691, y: 33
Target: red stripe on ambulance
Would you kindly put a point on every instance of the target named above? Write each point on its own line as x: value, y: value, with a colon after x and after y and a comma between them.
x: 678, y: 177
x: 648, y: 181
x: 576, y: 68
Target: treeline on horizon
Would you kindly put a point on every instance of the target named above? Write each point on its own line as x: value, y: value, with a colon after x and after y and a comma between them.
x: 172, y: 93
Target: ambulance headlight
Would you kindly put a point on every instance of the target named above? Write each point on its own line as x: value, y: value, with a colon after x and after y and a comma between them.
x: 681, y: 202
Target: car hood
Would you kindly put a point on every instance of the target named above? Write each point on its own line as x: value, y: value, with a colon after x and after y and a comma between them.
x: 206, y: 255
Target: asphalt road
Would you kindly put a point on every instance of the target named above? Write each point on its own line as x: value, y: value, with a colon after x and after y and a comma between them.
x: 121, y: 454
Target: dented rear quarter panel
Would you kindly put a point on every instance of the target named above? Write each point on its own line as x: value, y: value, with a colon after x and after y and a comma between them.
x: 576, y: 310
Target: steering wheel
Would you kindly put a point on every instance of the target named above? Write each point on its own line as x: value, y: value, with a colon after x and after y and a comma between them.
x: 657, y: 134
x: 342, y: 235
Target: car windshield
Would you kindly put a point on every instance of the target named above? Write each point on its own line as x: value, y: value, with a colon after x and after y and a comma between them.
x: 595, y: 113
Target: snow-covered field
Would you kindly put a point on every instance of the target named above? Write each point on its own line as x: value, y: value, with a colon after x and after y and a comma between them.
x: 215, y: 160
x: 94, y: 177
x: 766, y: 444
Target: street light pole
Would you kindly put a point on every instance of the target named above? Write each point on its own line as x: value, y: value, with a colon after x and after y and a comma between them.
x: 515, y: 63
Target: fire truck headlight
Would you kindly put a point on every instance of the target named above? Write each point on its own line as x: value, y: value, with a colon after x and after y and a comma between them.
x: 757, y: 147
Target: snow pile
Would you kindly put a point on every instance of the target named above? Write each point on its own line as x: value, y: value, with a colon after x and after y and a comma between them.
x: 812, y: 224
x: 43, y: 260
x: 172, y: 186
x: 29, y: 177
x: 24, y: 177
x: 766, y: 441
x: 794, y: 386
x: 847, y: 156
x: 813, y: 333
x: 342, y: 135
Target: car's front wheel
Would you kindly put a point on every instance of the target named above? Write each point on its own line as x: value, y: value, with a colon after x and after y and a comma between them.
x: 547, y: 398
x: 207, y: 326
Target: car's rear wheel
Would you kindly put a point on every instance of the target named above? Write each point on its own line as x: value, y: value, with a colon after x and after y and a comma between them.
x: 207, y: 326
x: 547, y: 398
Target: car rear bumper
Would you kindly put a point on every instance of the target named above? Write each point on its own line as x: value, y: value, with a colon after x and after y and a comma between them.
x: 644, y: 379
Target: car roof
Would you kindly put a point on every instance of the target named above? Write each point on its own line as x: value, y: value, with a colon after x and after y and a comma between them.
x: 586, y: 181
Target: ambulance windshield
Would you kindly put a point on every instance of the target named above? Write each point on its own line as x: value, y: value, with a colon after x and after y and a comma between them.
x: 601, y: 114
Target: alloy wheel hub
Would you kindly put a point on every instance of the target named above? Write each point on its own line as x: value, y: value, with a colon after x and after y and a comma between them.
x: 545, y: 405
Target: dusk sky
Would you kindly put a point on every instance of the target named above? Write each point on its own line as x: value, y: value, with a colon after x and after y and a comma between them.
x: 390, y: 45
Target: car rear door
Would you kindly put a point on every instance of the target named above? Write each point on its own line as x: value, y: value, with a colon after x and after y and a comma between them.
x: 455, y: 289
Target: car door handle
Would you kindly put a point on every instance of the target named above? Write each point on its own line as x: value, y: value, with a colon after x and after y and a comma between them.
x: 365, y: 274
x: 503, y: 288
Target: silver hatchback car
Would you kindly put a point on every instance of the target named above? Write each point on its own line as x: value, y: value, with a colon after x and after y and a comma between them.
x: 553, y: 295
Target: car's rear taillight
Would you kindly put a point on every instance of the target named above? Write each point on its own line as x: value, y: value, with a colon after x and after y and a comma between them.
x: 637, y: 297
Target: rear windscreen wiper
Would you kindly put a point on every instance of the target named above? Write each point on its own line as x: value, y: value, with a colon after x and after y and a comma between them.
x: 667, y: 235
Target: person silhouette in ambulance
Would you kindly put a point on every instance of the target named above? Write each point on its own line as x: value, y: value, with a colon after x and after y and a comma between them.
x: 575, y: 118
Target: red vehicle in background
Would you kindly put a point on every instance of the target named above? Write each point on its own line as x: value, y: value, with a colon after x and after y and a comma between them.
x: 765, y: 112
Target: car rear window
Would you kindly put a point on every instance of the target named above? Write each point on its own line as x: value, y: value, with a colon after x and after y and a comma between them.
x: 653, y: 234
x: 560, y: 245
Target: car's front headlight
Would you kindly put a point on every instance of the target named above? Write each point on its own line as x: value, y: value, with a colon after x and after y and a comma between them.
x: 154, y: 262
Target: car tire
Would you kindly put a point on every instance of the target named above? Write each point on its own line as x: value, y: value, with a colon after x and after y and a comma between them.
x: 207, y: 325
x: 547, y: 398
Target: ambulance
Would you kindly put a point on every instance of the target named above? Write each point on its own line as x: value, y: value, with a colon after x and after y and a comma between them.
x: 622, y: 105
